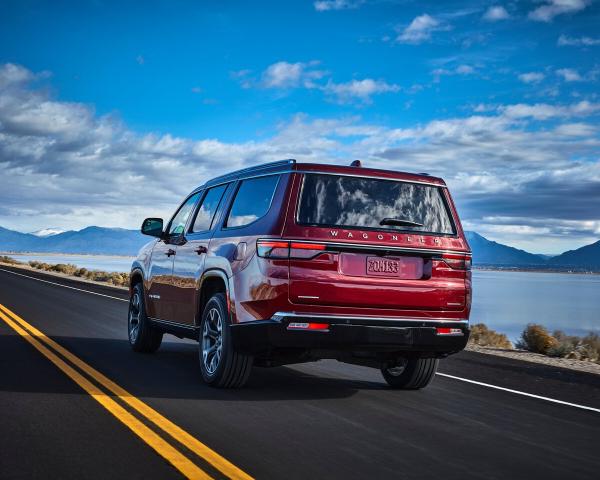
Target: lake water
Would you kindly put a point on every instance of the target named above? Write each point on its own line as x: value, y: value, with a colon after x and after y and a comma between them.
x: 91, y: 262
x: 505, y: 301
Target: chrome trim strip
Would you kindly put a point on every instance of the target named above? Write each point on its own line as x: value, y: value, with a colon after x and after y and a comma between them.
x: 369, y: 246
x: 281, y: 315
x: 173, y: 324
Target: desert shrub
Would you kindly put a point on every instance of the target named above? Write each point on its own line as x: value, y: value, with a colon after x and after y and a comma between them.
x: 536, y: 338
x: 9, y: 260
x: 40, y: 265
x: 486, y: 337
x: 114, y: 278
x: 565, y: 344
x: 66, y: 268
x: 120, y: 279
x: 81, y: 272
x: 589, y: 348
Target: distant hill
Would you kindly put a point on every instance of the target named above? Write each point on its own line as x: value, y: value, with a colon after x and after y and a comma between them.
x: 90, y: 240
x: 47, y: 232
x: 587, y: 257
x: 487, y: 252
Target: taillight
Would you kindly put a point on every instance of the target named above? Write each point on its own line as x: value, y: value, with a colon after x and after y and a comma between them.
x: 305, y: 250
x: 320, y: 327
x: 448, y: 331
x: 284, y: 249
x: 272, y: 249
x: 458, y: 262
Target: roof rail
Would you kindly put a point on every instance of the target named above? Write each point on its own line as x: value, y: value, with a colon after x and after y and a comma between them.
x: 254, y: 169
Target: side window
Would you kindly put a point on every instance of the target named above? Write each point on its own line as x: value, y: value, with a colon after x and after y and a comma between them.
x: 180, y: 219
x: 206, y: 213
x: 252, y: 200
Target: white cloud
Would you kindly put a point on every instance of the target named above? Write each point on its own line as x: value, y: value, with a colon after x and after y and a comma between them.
x: 569, y: 75
x: 535, y: 163
x: 420, y: 30
x: 552, y: 8
x: 495, y: 13
x: 459, y: 70
x: 14, y: 75
x: 531, y: 77
x: 290, y: 75
x: 285, y: 75
x: 576, y: 129
x: 325, y: 5
x: 545, y: 111
x: 361, y: 89
x: 565, y: 40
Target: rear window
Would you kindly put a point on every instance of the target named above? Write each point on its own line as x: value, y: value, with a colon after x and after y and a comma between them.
x: 340, y: 201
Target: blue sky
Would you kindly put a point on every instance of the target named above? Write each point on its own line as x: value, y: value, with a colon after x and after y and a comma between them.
x: 117, y: 102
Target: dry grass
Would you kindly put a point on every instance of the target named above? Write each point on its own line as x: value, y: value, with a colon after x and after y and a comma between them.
x: 536, y: 338
x: 112, y: 278
x: 486, y: 337
x: 9, y: 260
x: 578, y: 348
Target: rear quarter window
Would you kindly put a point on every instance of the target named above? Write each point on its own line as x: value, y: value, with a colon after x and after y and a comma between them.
x: 354, y: 202
x: 252, y: 201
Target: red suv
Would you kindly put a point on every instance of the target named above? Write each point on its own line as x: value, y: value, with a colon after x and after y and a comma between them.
x: 286, y: 262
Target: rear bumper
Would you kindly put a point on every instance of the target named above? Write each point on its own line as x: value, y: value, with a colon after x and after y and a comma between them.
x: 383, y: 334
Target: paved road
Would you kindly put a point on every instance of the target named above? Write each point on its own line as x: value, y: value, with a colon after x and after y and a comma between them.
x: 322, y: 420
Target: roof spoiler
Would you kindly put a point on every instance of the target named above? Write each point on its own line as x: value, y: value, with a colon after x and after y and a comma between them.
x: 256, y: 168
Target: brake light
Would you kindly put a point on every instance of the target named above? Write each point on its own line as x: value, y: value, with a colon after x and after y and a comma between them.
x: 458, y: 262
x: 284, y: 249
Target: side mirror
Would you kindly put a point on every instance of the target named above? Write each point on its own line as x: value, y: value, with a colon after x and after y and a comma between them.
x: 153, y: 227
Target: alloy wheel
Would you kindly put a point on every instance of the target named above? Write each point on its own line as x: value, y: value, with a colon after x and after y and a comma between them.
x: 134, y: 317
x: 212, y: 341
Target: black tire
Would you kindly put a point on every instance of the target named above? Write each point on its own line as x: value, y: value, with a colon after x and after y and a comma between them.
x: 143, y: 337
x: 220, y: 364
x: 413, y: 374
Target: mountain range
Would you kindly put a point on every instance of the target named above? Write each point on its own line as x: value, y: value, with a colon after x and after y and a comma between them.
x: 119, y: 241
x: 90, y: 240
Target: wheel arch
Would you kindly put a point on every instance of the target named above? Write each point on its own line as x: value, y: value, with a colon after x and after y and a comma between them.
x: 212, y: 282
x: 136, y: 276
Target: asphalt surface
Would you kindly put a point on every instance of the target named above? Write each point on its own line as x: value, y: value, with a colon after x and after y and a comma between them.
x: 320, y: 420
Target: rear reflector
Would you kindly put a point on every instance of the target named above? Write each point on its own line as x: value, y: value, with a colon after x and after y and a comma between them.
x: 323, y: 327
x: 282, y: 249
x: 448, y: 331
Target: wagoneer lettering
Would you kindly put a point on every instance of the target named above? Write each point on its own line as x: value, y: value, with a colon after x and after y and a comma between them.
x: 285, y: 263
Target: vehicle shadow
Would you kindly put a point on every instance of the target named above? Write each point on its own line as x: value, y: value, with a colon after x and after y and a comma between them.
x: 174, y: 372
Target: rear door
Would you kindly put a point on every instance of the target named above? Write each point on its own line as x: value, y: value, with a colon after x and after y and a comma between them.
x: 191, y: 257
x: 374, y: 243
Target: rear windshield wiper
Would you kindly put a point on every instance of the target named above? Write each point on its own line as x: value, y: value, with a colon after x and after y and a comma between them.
x: 399, y: 222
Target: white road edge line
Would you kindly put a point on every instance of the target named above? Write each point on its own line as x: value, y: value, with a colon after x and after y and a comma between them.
x: 496, y: 387
x: 518, y: 392
x: 65, y: 286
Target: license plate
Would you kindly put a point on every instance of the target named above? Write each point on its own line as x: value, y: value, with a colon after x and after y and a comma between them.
x: 408, y: 267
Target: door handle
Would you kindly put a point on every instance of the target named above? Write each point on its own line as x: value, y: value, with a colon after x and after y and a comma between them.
x: 201, y: 249
x: 170, y: 252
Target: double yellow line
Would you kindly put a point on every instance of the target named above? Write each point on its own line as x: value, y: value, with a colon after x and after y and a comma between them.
x: 77, y: 369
